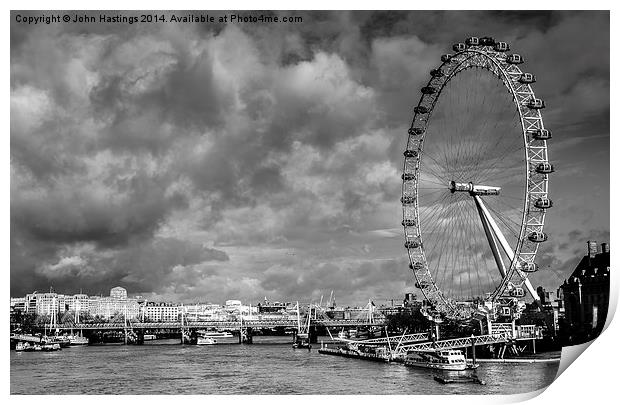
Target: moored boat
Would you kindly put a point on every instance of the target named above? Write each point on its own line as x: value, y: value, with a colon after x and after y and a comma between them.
x: 76, y: 340
x: 440, y: 360
x: 302, y: 341
x: 23, y: 347
x: 216, y: 338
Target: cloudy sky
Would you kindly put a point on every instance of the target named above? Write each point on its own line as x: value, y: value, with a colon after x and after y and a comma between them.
x: 204, y: 162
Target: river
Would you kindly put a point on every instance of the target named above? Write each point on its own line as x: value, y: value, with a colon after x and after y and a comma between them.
x: 269, y: 366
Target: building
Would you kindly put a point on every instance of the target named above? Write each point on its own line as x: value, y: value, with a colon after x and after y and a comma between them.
x: 585, y: 296
x: 111, y: 307
x: 203, y: 312
x: 119, y: 293
x: 43, y: 303
x: 160, y: 312
x: 235, y: 307
x: 543, y: 313
x: 272, y: 307
x: 18, y: 305
x: 78, y: 303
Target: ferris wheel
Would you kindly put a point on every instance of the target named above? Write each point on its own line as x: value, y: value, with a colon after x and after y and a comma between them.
x: 475, y: 181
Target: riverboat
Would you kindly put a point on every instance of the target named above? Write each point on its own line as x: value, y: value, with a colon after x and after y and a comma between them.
x: 36, y: 347
x: 77, y: 340
x: 302, y: 341
x: 216, y: 338
x: 453, y: 360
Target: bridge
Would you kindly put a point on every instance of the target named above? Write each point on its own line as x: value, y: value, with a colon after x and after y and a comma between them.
x: 500, y: 333
x: 394, y: 340
x: 460, y: 343
x: 231, y: 324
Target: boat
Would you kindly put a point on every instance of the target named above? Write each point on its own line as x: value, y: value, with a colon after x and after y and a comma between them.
x: 206, y: 340
x: 459, y: 379
x: 440, y: 360
x: 44, y: 347
x: 24, y: 347
x: 302, y: 341
x: 150, y: 337
x: 61, y: 340
x: 77, y: 340
x: 216, y: 338
x: 50, y: 347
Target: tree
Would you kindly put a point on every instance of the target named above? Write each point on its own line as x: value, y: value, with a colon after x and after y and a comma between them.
x: 27, y: 322
x: 413, y: 321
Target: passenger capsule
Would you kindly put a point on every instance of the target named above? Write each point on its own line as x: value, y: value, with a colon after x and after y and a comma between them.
x: 407, y: 176
x: 416, y: 266
x: 501, y: 47
x: 411, y: 153
x: 544, y: 168
x: 412, y: 244
x: 527, y: 78
x: 460, y: 47
x: 408, y: 222
x: 540, y: 134
x: 536, y: 104
x: 537, y: 237
x: 407, y: 200
x: 472, y: 41
x: 487, y: 41
x: 514, y: 59
x: 437, y: 73
x: 543, y: 203
x: 428, y: 90
x: 420, y: 109
x: 528, y: 267
x: 416, y: 131
x: 446, y: 58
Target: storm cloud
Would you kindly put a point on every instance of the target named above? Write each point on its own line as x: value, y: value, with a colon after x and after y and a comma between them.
x: 210, y: 162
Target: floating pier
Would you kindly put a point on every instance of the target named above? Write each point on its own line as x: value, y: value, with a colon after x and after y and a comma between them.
x: 342, y: 352
x: 459, y: 379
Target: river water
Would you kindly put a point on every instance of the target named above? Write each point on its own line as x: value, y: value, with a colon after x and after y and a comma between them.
x: 269, y: 366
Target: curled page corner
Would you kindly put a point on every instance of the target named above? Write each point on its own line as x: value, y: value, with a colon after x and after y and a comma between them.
x: 570, y: 354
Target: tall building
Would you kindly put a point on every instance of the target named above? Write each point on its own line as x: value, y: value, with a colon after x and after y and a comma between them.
x: 160, y: 312
x: 111, y: 307
x: 18, y: 304
x: 119, y: 293
x: 585, y: 296
x: 43, y: 303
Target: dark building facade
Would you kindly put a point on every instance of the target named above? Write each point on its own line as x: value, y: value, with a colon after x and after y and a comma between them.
x: 585, y: 295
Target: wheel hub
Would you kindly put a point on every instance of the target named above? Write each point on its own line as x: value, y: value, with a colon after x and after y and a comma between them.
x: 473, y: 189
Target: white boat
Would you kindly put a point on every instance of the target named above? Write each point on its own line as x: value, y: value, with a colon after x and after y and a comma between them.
x: 23, y: 347
x: 216, y: 338
x: 440, y: 360
x: 77, y: 340
x: 150, y: 337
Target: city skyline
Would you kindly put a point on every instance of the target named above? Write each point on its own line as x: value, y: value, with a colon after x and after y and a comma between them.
x: 185, y: 161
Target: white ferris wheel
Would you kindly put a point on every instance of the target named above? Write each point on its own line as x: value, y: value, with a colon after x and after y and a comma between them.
x: 475, y: 180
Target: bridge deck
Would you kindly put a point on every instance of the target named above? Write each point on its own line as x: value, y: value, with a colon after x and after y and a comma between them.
x: 291, y: 323
x: 394, y: 340
x: 480, y: 340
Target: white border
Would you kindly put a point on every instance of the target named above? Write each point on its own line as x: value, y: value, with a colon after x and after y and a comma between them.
x: 591, y: 378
